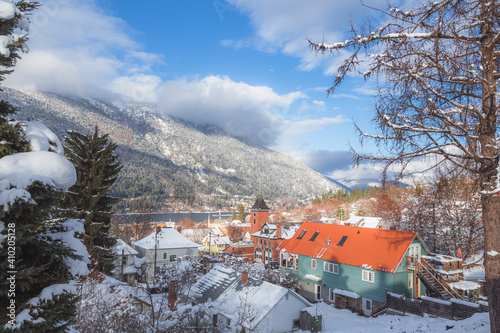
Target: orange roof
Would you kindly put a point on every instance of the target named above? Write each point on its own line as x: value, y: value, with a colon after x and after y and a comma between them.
x: 377, y: 249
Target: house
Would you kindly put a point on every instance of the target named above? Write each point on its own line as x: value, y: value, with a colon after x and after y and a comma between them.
x: 243, y: 249
x: 198, y: 234
x: 364, y: 221
x: 352, y: 267
x: 266, y: 236
x: 215, y: 244
x: 125, y: 263
x: 267, y: 239
x: 258, y: 305
x: 163, y: 247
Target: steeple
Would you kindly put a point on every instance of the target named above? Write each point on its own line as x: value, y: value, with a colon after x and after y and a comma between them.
x: 260, y: 205
x: 259, y: 215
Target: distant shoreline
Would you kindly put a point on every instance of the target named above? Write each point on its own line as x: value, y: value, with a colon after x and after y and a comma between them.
x: 170, y: 217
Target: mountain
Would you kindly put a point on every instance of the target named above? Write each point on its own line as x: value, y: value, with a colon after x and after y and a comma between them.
x: 165, y: 156
x: 362, y: 183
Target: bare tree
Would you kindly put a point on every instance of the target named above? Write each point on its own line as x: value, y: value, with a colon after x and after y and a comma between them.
x: 105, y: 308
x: 437, y: 67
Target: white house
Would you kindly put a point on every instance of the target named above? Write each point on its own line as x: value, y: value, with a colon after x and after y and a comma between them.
x: 364, y: 222
x: 260, y: 306
x: 170, y: 245
x: 125, y: 263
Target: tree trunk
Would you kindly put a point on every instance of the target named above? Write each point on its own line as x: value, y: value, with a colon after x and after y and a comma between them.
x: 488, y: 173
x: 491, y: 218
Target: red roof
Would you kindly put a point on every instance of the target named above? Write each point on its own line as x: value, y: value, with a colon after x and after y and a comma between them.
x: 377, y: 249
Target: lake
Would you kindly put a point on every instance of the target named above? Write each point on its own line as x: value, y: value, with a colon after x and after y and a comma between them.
x: 171, y: 217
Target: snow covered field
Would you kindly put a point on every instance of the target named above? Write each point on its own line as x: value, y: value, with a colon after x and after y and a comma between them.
x: 335, y: 320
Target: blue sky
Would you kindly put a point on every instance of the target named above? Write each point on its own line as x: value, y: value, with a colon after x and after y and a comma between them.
x: 244, y: 65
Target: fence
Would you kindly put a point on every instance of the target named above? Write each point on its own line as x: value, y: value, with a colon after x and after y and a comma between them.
x: 452, y: 309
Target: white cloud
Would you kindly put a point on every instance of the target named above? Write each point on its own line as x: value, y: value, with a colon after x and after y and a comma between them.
x: 139, y: 87
x: 299, y: 127
x: 285, y: 25
x: 237, y: 107
x: 77, y: 49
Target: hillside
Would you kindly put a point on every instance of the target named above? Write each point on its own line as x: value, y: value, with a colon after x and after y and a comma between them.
x: 165, y: 156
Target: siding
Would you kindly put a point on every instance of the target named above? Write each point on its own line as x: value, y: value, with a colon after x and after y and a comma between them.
x: 349, y: 278
x: 280, y: 318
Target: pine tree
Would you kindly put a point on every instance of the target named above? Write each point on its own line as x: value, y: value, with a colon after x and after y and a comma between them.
x: 36, y: 261
x: 234, y: 217
x: 97, y: 167
x: 241, y: 213
x: 40, y: 262
x: 11, y: 140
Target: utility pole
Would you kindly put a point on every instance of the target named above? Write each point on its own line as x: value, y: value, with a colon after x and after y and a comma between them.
x: 123, y: 255
x: 268, y: 252
x: 156, y: 247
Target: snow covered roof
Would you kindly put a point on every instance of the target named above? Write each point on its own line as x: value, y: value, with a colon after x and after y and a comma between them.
x: 202, y: 231
x: 167, y: 238
x: 122, y: 247
x: 286, y: 232
x: 260, y: 298
x: 217, y: 240
x: 363, y: 221
x: 464, y: 285
x: 213, y: 284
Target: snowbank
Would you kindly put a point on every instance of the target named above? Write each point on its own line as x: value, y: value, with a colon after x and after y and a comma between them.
x: 49, y: 168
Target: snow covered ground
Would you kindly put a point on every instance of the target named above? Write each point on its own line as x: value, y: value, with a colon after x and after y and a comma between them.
x: 335, y: 320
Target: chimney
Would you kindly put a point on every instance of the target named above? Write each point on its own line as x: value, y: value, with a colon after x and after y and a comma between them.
x: 244, y: 278
x: 179, y: 229
x: 278, y: 231
x: 172, y: 296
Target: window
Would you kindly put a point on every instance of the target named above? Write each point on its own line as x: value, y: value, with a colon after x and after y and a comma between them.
x: 313, y: 237
x: 342, y: 241
x: 331, y: 267
x: 302, y: 234
x: 253, y: 221
x: 173, y: 257
x: 331, y: 294
x: 313, y: 263
x: 165, y: 256
x: 368, y: 276
x: 296, y: 323
x: 253, y: 214
x: 368, y: 304
x: 124, y: 260
x: 317, y: 295
x: 410, y: 280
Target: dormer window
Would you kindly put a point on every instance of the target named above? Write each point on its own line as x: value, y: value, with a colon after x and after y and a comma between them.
x: 313, y: 237
x: 342, y: 241
x: 302, y: 234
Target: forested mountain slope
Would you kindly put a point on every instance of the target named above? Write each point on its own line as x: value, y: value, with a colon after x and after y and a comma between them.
x: 165, y: 156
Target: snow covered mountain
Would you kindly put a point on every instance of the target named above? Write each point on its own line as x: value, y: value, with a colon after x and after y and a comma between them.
x: 159, y: 151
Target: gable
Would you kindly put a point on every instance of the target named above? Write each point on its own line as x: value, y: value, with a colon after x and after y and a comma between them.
x: 377, y: 249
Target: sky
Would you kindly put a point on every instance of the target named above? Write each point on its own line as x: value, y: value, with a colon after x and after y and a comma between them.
x: 243, y: 65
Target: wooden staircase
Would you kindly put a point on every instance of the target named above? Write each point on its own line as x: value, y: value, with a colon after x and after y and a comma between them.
x: 435, y: 281
x: 379, y: 309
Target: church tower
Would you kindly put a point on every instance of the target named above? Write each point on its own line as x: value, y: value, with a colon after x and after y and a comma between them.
x: 259, y: 215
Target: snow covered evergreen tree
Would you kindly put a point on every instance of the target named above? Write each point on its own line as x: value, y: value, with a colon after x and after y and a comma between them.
x: 12, y: 18
x: 97, y: 168
x: 40, y: 258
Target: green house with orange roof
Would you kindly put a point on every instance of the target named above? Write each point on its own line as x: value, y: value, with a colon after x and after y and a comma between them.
x: 353, y: 267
